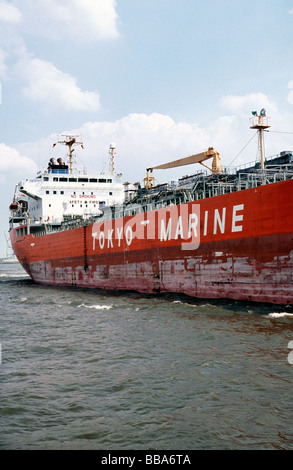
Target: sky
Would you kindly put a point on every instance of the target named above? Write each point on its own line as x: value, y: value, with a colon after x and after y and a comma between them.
x: 162, y: 79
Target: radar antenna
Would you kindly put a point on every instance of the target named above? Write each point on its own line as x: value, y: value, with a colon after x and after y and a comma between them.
x: 70, y: 141
x: 260, y: 121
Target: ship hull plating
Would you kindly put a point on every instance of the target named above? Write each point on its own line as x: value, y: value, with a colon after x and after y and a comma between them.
x: 237, y: 246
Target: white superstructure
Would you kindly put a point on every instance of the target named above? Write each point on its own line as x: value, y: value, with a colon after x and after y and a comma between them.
x: 61, y: 193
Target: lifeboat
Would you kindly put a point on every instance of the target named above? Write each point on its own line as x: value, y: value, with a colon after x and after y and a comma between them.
x: 13, y: 206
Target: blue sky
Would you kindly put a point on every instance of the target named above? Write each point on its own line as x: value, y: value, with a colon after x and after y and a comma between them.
x: 161, y: 78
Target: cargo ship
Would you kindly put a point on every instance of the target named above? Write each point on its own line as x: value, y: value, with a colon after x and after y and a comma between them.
x: 216, y: 234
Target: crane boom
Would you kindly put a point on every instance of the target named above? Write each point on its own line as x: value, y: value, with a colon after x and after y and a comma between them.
x: 198, y: 158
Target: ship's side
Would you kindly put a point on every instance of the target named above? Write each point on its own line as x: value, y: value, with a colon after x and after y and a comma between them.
x: 237, y: 245
x: 218, y: 235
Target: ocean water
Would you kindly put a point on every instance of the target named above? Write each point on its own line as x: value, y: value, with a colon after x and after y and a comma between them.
x: 95, y: 370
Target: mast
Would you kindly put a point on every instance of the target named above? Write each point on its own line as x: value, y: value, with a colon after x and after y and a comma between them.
x: 260, y: 122
x: 111, y: 163
x: 70, y: 141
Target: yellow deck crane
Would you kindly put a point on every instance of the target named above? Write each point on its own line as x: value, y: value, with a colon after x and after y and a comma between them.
x: 149, y: 181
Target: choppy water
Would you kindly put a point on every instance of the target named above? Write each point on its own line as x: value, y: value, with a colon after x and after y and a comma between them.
x: 95, y: 370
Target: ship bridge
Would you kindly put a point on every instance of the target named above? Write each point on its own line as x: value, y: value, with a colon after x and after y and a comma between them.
x: 61, y: 193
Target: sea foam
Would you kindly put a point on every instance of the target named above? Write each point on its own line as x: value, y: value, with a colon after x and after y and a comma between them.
x: 280, y: 314
x: 97, y: 307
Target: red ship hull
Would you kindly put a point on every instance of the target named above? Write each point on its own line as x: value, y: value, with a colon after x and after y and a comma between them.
x: 236, y: 246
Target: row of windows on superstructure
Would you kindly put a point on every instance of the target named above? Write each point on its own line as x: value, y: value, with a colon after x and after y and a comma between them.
x: 62, y: 192
x: 79, y: 180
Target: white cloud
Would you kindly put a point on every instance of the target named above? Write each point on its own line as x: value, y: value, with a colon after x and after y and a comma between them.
x: 247, y: 103
x: 67, y: 20
x: 148, y: 140
x: 12, y: 160
x: 95, y: 18
x: 84, y: 20
x: 47, y: 84
x: 142, y: 140
x: 9, y: 13
x: 145, y: 140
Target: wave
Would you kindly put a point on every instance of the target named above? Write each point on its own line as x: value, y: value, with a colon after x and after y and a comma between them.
x: 280, y: 314
x: 97, y: 307
x: 13, y: 276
